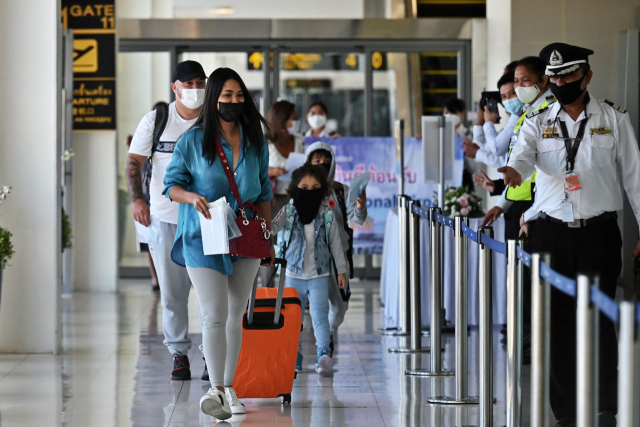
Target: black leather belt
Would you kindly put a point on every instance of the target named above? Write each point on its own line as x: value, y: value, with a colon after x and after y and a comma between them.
x: 607, y: 216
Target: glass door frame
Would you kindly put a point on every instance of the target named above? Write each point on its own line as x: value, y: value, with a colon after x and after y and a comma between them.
x: 369, y: 47
x: 271, y: 79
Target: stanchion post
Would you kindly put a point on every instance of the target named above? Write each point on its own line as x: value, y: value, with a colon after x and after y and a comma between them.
x: 435, y: 291
x: 540, y: 323
x: 414, y: 280
x: 515, y: 278
x: 404, y: 325
x: 461, y: 286
x: 628, y: 411
x: 485, y: 285
x: 414, y: 284
x: 586, y: 355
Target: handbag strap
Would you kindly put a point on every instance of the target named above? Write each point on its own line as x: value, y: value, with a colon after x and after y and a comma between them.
x: 227, y: 171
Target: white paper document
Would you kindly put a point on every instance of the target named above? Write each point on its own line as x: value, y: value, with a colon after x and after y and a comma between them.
x: 217, y: 231
x: 356, y: 187
x: 151, y: 234
x: 294, y: 161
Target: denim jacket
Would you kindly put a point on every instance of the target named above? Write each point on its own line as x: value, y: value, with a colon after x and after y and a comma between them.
x: 327, y: 240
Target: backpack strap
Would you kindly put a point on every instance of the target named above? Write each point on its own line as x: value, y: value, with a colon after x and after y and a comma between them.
x: 162, y: 116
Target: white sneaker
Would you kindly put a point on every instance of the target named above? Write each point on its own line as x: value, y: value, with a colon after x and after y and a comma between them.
x: 214, y: 403
x: 325, y: 365
x: 236, y: 406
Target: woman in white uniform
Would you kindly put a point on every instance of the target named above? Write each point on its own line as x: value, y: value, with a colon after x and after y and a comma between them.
x: 317, y: 117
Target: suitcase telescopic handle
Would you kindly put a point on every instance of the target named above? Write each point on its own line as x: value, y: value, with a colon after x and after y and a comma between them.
x: 636, y: 272
x: 283, y: 263
x: 278, y: 307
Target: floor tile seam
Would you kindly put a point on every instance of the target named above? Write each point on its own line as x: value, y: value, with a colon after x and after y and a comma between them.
x: 90, y: 383
x: 14, y: 368
x: 173, y: 410
x: 360, y: 362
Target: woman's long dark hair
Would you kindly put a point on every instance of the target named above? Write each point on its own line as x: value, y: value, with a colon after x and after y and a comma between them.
x: 279, y: 114
x: 251, y: 120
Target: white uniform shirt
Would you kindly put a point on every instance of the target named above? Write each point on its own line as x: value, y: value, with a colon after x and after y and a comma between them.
x: 596, y: 162
x: 494, y: 145
x: 277, y: 160
x: 324, y: 133
x: 142, y: 143
x: 528, y: 109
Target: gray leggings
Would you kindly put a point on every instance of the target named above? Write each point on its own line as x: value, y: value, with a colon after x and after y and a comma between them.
x: 223, y: 301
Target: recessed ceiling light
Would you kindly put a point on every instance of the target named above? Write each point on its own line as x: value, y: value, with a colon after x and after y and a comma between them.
x: 224, y: 10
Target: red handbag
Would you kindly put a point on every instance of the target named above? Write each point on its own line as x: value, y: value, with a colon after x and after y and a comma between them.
x: 255, y: 241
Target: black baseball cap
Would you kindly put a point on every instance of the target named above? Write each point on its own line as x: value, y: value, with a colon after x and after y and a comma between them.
x: 187, y: 70
x: 562, y: 58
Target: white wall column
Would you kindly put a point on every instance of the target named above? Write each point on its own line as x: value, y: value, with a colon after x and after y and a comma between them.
x: 30, y: 54
x: 95, y: 212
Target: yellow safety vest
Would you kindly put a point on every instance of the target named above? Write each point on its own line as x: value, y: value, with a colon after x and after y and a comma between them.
x: 524, y: 192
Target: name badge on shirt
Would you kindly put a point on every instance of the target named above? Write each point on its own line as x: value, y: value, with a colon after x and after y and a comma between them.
x: 567, y: 211
x: 550, y: 132
x: 573, y: 181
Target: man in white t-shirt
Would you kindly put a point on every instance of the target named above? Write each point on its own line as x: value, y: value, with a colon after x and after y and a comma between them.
x: 188, y: 83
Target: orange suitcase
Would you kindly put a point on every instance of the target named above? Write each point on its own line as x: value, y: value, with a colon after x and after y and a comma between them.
x: 267, y: 362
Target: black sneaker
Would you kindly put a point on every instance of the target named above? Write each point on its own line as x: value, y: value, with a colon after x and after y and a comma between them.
x: 205, y: 373
x: 181, y: 371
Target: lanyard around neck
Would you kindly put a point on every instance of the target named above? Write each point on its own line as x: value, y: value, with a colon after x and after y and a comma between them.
x: 572, y: 151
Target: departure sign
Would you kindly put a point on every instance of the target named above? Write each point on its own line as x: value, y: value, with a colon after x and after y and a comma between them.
x: 94, y: 72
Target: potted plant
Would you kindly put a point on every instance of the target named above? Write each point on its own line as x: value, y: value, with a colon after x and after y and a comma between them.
x: 461, y: 201
x: 6, y: 247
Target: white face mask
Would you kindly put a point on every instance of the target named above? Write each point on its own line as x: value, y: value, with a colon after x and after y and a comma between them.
x: 527, y: 94
x: 192, y: 98
x: 454, y: 117
x: 317, y: 121
x: 295, y: 127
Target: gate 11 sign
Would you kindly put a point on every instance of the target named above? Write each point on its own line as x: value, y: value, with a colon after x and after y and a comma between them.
x: 94, y: 72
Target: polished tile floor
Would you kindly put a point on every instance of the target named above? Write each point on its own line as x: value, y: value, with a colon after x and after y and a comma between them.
x: 115, y: 372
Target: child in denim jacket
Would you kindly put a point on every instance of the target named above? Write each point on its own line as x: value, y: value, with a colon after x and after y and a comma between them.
x: 310, y: 242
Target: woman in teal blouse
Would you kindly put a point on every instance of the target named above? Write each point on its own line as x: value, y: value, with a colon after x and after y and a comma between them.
x: 193, y: 178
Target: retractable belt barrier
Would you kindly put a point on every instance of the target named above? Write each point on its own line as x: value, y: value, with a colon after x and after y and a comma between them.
x: 590, y: 300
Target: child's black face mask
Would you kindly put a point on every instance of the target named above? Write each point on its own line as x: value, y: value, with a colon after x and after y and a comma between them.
x: 307, y: 203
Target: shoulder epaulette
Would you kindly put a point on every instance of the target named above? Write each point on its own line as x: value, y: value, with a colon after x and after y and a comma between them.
x: 536, y: 112
x: 617, y: 107
x: 550, y: 99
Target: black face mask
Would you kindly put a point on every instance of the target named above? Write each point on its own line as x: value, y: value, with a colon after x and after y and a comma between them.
x: 230, y: 111
x: 326, y: 167
x: 568, y: 93
x: 307, y: 203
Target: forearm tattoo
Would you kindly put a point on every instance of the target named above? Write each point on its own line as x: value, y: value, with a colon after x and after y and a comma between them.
x: 134, y: 179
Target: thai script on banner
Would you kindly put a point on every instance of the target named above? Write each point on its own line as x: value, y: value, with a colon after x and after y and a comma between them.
x: 377, y: 155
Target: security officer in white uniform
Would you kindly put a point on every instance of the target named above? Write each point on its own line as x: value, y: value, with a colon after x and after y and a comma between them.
x: 576, y: 146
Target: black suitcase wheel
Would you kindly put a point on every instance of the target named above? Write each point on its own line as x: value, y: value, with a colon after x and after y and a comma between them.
x: 286, y: 398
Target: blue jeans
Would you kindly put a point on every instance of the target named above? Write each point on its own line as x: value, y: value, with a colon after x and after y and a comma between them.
x: 318, y: 290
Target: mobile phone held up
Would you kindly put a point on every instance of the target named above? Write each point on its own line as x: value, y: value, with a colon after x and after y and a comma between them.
x: 491, y: 100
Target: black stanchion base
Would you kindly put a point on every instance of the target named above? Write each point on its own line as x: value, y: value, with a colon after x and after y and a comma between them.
x: 425, y: 373
x: 395, y: 334
x: 410, y: 350
x: 452, y: 401
x: 446, y: 330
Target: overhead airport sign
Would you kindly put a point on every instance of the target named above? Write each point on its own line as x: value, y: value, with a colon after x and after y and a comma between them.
x: 94, y: 71
x: 309, y: 61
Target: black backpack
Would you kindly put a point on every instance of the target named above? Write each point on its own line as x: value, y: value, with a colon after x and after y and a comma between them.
x: 162, y: 115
